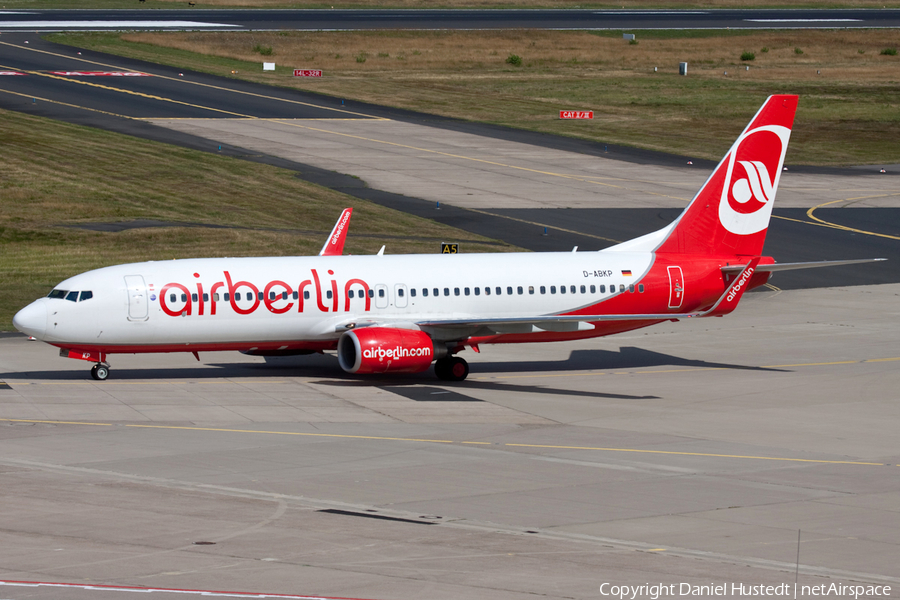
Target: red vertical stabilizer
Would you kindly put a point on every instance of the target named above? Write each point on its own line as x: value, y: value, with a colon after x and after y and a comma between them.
x: 730, y: 213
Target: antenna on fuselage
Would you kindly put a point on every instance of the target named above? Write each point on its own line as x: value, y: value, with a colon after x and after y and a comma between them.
x: 381, y: 252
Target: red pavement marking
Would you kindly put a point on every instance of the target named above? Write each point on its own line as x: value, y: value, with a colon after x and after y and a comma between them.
x: 125, y: 588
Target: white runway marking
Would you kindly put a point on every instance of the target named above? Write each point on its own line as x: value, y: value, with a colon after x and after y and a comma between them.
x: 802, y: 20
x: 109, y: 25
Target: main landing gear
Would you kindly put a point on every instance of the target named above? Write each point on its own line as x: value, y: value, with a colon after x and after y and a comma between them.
x: 100, y: 371
x: 451, y: 368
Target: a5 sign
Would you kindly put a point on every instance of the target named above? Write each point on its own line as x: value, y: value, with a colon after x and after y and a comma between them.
x: 307, y: 72
x: 576, y: 114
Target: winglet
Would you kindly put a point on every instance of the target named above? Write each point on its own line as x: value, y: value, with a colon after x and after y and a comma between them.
x: 334, y: 246
x: 729, y: 300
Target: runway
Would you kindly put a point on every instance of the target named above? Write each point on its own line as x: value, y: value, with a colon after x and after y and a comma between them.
x: 316, y: 20
x: 689, y: 452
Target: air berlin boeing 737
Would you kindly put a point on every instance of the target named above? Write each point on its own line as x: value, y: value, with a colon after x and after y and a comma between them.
x: 403, y: 313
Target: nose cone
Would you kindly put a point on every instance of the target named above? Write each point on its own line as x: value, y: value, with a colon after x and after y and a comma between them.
x: 32, y: 320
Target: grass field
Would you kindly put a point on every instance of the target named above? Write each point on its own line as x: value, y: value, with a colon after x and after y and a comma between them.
x: 608, y: 4
x: 57, y: 175
x: 850, y: 91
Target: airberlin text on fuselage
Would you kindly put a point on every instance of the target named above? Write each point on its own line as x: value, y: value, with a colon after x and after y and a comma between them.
x: 283, y: 301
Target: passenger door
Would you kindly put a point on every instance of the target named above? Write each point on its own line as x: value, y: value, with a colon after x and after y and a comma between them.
x: 137, y: 298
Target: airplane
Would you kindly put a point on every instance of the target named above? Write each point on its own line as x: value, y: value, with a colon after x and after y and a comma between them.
x: 400, y: 314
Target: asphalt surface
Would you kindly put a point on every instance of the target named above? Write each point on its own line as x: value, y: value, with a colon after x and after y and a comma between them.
x: 687, y: 452
x: 122, y: 103
x: 56, y: 20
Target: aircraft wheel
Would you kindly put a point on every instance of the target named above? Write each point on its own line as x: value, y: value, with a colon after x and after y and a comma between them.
x: 451, y: 368
x: 100, y: 372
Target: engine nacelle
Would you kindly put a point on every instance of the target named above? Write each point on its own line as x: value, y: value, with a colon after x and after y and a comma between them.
x: 383, y: 349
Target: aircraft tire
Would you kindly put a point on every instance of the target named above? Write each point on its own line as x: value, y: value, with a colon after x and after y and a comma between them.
x: 440, y: 369
x: 451, y: 368
x: 100, y: 372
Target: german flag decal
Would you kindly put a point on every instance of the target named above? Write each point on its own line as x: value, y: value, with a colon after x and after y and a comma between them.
x: 626, y: 273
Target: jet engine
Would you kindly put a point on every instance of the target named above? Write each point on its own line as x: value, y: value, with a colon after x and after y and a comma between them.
x: 383, y: 349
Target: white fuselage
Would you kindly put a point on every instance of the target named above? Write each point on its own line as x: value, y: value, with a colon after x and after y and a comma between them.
x: 195, y: 301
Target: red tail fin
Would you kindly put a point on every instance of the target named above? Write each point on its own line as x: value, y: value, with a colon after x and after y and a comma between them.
x: 730, y: 213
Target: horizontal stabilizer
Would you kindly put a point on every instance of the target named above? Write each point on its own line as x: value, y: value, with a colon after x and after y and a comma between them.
x: 801, y: 265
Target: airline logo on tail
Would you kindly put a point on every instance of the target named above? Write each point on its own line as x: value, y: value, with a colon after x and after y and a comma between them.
x: 754, y: 168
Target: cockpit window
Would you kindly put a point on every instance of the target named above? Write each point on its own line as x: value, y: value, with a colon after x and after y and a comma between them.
x: 58, y: 294
x: 86, y: 296
x: 72, y: 296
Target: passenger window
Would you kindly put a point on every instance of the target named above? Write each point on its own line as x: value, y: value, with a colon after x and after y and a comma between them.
x: 509, y: 290
x: 371, y: 294
x: 478, y: 291
x: 381, y: 293
x: 583, y: 290
x: 206, y: 297
x: 456, y: 291
x: 399, y: 292
x: 621, y: 287
x: 72, y: 296
x: 435, y: 292
x: 552, y: 289
x: 562, y: 289
x: 487, y: 291
x: 543, y: 289
x: 593, y: 289
x: 237, y: 296
x: 86, y: 296
x: 412, y: 292
x: 284, y: 295
x: 499, y: 290
x: 193, y: 297
x: 350, y: 294
x: 58, y: 294
x: 641, y: 288
x: 520, y: 290
x: 225, y: 296
x: 530, y: 289
x: 631, y: 288
x: 425, y: 291
x: 271, y: 295
x: 466, y: 290
x: 603, y: 289
x: 295, y: 295
x: 572, y: 289
x: 446, y: 291
x: 216, y: 297
x: 184, y: 297
x: 173, y: 298
x: 260, y: 295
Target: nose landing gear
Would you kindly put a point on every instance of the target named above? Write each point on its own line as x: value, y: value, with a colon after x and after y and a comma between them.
x: 100, y: 371
x: 451, y: 368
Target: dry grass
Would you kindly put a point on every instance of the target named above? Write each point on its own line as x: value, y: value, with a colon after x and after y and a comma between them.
x: 57, y: 174
x: 849, y: 91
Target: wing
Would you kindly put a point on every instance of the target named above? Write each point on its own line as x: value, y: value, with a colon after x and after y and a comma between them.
x: 469, y: 326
